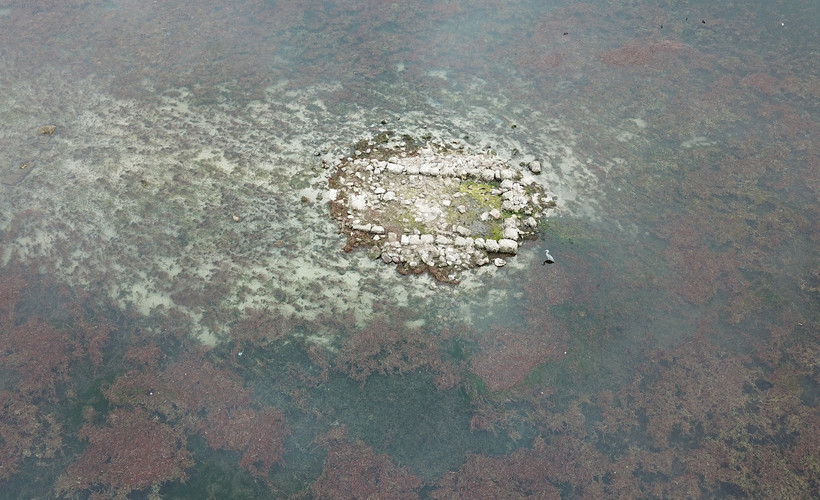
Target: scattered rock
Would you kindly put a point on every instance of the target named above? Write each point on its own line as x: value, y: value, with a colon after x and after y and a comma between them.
x: 480, y: 258
x: 358, y: 202
x: 491, y: 246
x: 463, y: 231
x: 361, y: 227
x: 507, y: 246
x: 511, y: 233
x: 374, y: 253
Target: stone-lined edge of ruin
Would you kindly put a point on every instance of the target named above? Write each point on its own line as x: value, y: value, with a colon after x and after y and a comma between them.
x: 365, y: 187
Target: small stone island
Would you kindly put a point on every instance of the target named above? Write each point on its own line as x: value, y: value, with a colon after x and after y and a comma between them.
x: 431, y: 208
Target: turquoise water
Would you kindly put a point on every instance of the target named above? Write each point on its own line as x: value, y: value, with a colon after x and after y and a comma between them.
x: 170, y: 267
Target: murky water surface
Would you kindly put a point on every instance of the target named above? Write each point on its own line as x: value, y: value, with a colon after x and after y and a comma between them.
x: 178, y: 318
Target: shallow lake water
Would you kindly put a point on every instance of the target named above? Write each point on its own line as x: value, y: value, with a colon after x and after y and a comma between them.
x: 178, y: 318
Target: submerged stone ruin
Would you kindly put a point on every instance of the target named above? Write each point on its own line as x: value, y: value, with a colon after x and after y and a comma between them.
x: 431, y: 208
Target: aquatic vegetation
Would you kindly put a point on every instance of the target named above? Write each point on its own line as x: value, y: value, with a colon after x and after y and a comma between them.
x: 180, y: 199
x: 507, y: 356
x: 132, y: 452
x: 388, y: 347
x: 193, y: 397
x: 353, y: 470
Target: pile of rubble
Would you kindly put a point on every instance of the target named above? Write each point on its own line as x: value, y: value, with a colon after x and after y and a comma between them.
x: 434, y: 209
